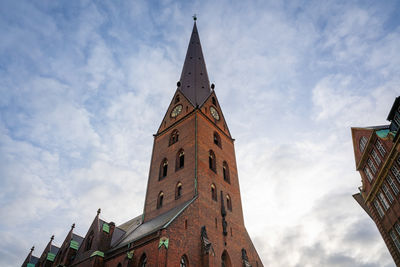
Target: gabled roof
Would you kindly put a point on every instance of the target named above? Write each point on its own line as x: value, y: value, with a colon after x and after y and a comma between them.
x: 149, y: 227
x: 77, y: 238
x: 194, y: 82
x: 393, y: 109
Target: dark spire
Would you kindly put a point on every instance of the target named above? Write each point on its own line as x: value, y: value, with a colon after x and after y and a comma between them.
x: 194, y: 83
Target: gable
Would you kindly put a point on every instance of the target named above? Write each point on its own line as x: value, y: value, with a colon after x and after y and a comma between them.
x: 357, y: 135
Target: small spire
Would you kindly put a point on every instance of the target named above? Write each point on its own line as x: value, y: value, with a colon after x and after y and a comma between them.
x: 98, y: 211
x: 32, y: 249
x: 73, y: 226
x: 194, y: 17
x: 52, y: 238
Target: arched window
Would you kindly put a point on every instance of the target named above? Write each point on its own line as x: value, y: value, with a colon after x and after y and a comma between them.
x: 217, y: 139
x: 180, y: 159
x: 177, y: 99
x: 163, y: 169
x: 225, y: 171
x: 174, y: 137
x: 225, y: 260
x: 213, y: 101
x: 184, y: 261
x: 363, y: 143
x: 160, y: 200
x: 178, y: 190
x: 211, y: 161
x: 143, y: 261
x: 213, y: 192
x: 229, y: 202
x: 89, y: 241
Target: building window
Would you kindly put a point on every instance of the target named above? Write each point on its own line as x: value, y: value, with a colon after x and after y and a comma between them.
x: 214, y: 101
x: 143, y: 261
x: 376, y: 157
x: 213, y: 192
x: 178, y: 190
x: 396, y: 173
x: 398, y: 160
x: 395, y: 239
x: 160, y: 200
x: 392, y: 185
x: 184, y: 261
x: 225, y: 171
x: 180, y: 159
x: 383, y: 201
x: 163, y: 169
x: 368, y: 174
x: 363, y: 143
x: 212, y: 161
x: 229, y: 202
x: 371, y: 166
x: 380, y: 148
x: 387, y: 193
x: 174, y: 137
x: 177, y: 99
x: 378, y: 208
x: 217, y: 139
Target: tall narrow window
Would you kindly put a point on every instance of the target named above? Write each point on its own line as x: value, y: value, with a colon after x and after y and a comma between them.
x: 380, y: 148
x: 392, y: 185
x: 368, y: 174
x: 178, y: 190
x: 212, y: 161
x: 376, y: 157
x: 213, y: 192
x: 383, y: 200
x: 217, y: 139
x: 229, y: 202
x: 89, y: 241
x: 213, y: 101
x: 174, y: 137
x: 395, y: 239
x: 180, y: 159
x: 371, y: 166
x: 396, y: 173
x: 177, y: 99
x: 160, y: 200
x: 387, y: 193
x: 184, y: 261
x: 378, y: 208
x: 225, y: 171
x: 363, y: 143
x: 143, y: 261
x: 163, y: 169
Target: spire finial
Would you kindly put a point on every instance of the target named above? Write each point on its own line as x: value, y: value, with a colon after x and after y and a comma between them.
x: 98, y: 211
x: 52, y: 238
x: 33, y: 248
x: 194, y: 17
x: 73, y: 226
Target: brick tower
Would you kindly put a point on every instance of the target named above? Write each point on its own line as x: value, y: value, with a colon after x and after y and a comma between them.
x: 192, y: 213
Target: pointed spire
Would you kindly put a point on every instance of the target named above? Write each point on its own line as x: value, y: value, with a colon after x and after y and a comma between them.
x: 194, y: 83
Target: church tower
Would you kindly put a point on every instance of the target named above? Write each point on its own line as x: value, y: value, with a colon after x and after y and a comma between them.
x: 193, y: 212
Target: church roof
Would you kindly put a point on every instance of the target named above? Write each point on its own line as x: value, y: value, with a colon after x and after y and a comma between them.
x: 153, y: 225
x: 77, y: 238
x: 194, y: 82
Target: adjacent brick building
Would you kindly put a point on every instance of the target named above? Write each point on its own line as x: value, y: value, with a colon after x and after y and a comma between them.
x: 377, y: 156
x: 193, y: 212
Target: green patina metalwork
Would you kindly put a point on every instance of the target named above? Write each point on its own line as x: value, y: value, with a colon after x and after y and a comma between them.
x: 163, y: 242
x: 97, y: 253
x: 30, y: 265
x: 74, y: 245
x: 382, y: 133
x: 51, y: 256
x: 106, y: 228
x: 130, y: 254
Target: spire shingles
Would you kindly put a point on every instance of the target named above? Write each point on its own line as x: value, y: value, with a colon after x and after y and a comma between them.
x: 194, y: 83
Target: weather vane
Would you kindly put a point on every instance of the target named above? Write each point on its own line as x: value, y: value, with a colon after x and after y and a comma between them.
x: 194, y: 17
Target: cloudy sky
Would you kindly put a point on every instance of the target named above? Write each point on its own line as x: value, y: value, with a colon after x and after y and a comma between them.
x: 84, y: 85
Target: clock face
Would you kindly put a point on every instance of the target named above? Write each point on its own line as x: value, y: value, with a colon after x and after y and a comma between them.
x: 214, y: 113
x: 175, y: 112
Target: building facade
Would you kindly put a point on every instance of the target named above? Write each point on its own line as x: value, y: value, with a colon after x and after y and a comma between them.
x: 377, y: 157
x: 193, y: 212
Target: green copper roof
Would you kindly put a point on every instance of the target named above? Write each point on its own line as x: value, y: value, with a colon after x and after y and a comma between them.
x: 106, y: 228
x: 97, y: 253
x: 51, y: 256
x: 74, y: 245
